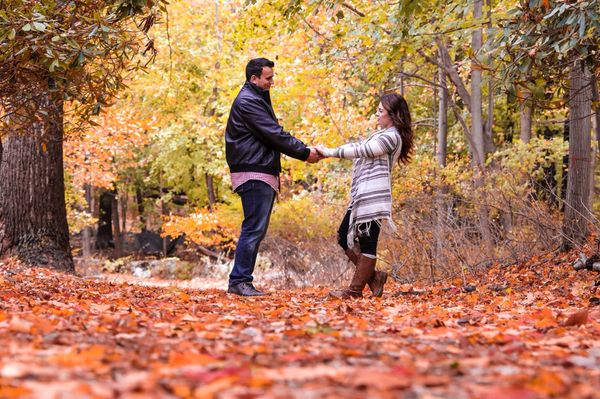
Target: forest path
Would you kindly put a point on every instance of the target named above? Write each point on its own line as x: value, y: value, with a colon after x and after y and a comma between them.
x: 529, y: 331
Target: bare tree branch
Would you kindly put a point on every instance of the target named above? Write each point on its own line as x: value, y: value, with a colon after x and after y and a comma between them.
x: 446, y: 65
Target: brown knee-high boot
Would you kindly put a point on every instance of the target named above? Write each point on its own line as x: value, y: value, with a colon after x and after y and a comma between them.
x: 378, y: 279
x: 365, y: 267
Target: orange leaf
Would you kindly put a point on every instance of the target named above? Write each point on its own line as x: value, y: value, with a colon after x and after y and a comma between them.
x: 545, y: 319
x: 20, y: 325
x: 13, y: 392
x: 178, y: 359
x: 214, y: 388
x: 89, y: 357
x: 183, y: 296
x: 381, y: 380
x: 508, y: 393
x: 548, y: 383
x: 578, y: 318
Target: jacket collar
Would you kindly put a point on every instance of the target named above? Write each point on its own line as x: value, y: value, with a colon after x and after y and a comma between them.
x: 264, y: 94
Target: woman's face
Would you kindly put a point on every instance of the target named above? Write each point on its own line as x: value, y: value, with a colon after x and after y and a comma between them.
x: 383, y: 118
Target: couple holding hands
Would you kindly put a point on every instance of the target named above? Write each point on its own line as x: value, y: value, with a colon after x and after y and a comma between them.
x: 254, y: 141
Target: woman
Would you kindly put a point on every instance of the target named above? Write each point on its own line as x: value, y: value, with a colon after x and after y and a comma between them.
x: 370, y: 192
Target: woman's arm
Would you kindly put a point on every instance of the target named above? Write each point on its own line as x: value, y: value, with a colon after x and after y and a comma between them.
x: 384, y: 143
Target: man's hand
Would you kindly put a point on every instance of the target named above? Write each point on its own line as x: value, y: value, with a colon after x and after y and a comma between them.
x: 314, y: 156
x: 321, y: 150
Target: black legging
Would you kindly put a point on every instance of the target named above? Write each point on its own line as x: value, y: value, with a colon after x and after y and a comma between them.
x: 368, y: 243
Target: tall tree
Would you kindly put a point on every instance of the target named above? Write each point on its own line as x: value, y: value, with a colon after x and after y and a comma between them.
x: 52, y: 51
x: 476, y: 92
x: 477, y: 128
x: 526, y: 108
x: 558, y: 41
x: 577, y: 208
x: 489, y: 125
x: 596, y: 109
x: 442, y: 128
x: 33, y: 219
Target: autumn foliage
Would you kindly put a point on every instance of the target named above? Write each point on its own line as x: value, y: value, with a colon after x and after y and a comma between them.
x: 528, y: 331
x: 479, y: 304
x: 204, y: 227
x: 113, y: 144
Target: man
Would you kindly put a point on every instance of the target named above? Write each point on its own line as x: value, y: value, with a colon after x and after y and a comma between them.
x: 253, y: 143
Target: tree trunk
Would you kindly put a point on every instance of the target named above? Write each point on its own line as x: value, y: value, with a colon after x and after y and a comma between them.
x: 87, y: 231
x: 139, y: 199
x: 477, y: 130
x: 33, y: 218
x: 453, y: 74
x: 104, y: 238
x: 402, y: 77
x: 596, y: 134
x: 211, y: 191
x: 596, y: 110
x: 488, y: 133
x: 577, y: 207
x: 592, y: 177
x: 441, y: 152
x: 163, y: 211
x: 525, y: 115
x: 116, y: 227
x: 123, y: 202
x: 442, y: 133
x: 490, y: 147
x: 476, y: 97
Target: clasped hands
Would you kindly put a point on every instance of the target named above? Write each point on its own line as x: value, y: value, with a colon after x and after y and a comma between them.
x: 316, y: 154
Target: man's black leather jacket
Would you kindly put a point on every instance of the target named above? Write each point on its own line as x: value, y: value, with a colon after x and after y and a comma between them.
x: 254, y: 139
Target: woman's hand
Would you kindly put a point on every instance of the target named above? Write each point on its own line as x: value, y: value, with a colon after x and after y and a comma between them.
x: 321, y: 149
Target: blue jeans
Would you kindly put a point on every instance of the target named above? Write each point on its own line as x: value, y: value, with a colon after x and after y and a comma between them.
x: 257, y: 203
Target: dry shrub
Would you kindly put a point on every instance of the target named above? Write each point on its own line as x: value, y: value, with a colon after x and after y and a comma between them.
x: 301, y: 242
x: 309, y: 263
x: 305, y: 217
x: 441, y: 235
x: 443, y: 214
x: 441, y: 217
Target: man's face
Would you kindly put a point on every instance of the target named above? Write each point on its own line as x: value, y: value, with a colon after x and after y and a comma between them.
x: 266, y: 79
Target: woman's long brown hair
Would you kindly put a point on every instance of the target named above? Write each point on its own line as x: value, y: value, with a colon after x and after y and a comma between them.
x: 397, y: 109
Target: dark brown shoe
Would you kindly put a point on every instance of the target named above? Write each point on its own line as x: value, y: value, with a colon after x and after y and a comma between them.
x: 245, y: 289
x: 344, y: 294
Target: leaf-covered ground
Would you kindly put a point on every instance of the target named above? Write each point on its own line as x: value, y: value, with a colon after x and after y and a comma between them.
x: 525, y: 332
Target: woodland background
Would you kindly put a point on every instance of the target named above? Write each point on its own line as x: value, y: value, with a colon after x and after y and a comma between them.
x: 488, y: 86
x: 111, y: 154
x: 503, y: 97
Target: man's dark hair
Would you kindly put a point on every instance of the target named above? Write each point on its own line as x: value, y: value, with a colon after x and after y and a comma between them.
x: 256, y: 65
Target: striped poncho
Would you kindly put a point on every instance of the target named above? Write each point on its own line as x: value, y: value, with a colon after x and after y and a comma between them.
x: 371, y: 191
